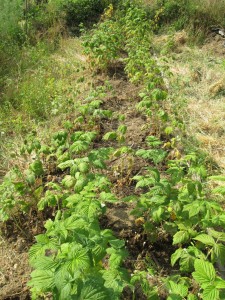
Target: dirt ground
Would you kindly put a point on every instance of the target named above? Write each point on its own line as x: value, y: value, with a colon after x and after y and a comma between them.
x: 14, y: 266
x: 14, y: 269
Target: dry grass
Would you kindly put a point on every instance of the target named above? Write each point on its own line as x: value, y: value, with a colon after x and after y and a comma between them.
x: 198, y: 81
x: 214, y: 8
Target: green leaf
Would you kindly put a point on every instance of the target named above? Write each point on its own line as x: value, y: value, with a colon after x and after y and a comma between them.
x: 187, y: 263
x: 89, y: 208
x: 156, y: 155
x: 180, y: 237
x: 116, y: 280
x: 110, y: 136
x: 83, y: 167
x: 219, y: 190
x: 42, y: 279
x: 68, y: 181
x: 80, y: 184
x: 218, y: 178
x: 219, y: 283
x: 116, y: 257
x: 45, y: 263
x: 78, y: 258
x: 37, y: 168
x: 49, y: 200
x: 217, y: 234
x: 66, y: 164
x: 79, y: 146
x: 176, y: 255
x: 219, y: 250
x: 30, y: 177
x: 153, y: 141
x: 179, y: 289
x: 210, y: 292
x: 157, y: 214
x: 192, y: 297
x: 143, y: 182
x: 204, y: 272
x: 122, y: 129
x: 99, y: 163
x: 108, y: 197
x: 205, y: 239
x: 193, y: 209
x: 117, y: 244
x: 99, y: 251
x: 92, y: 291
x: 63, y: 282
x: 88, y: 136
x: 174, y: 297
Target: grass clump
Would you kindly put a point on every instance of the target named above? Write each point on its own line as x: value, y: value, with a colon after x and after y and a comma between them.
x: 197, y: 16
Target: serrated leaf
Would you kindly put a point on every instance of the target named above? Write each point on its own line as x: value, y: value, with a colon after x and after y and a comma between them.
x: 116, y: 280
x: 99, y: 251
x: 66, y: 164
x: 210, y: 292
x: 219, y: 250
x: 153, y: 141
x: 30, y: 177
x: 89, y: 208
x: 157, y: 213
x: 180, y: 237
x: 219, y: 283
x: 79, y: 146
x: 108, y: 197
x: 156, y: 155
x: 219, y: 190
x: 122, y: 129
x: 99, y: 163
x: 205, y: 239
x: 176, y: 255
x: 116, y: 257
x: 68, y: 181
x: 92, y: 292
x: 117, y: 244
x: 143, y: 181
x: 42, y: 279
x: 79, y: 259
x: 45, y: 263
x: 179, y: 289
x: 204, y: 272
x: 37, y: 168
x: 110, y: 136
x: 187, y: 263
x: 218, y: 178
x: 174, y: 297
x: 217, y: 234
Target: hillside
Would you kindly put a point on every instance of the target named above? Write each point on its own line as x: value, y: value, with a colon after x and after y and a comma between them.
x: 113, y: 154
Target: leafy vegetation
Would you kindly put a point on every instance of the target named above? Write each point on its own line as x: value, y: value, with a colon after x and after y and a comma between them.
x: 173, y: 202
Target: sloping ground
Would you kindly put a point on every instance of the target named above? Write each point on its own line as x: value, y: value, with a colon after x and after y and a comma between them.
x: 15, y: 243
x: 120, y: 99
x: 196, y: 73
x: 198, y: 85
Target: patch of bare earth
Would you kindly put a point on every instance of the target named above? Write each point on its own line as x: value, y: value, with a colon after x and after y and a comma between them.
x: 14, y: 270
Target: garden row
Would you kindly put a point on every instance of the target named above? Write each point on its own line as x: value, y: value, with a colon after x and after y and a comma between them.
x: 75, y: 257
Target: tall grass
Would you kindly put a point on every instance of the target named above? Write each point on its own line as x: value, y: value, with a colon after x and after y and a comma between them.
x: 196, y: 15
x: 11, y: 14
x: 11, y: 36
